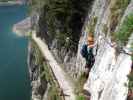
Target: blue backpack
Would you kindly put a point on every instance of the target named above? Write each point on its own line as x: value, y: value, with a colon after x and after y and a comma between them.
x: 84, y: 51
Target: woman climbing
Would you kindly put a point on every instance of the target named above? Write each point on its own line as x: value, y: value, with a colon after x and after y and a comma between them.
x: 87, y: 53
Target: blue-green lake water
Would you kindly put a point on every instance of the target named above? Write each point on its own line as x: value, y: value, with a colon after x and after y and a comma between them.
x: 14, y: 77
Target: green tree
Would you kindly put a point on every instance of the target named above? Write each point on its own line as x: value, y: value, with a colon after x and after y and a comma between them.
x: 62, y: 17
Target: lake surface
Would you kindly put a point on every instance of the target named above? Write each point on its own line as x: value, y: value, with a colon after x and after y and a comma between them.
x: 14, y: 76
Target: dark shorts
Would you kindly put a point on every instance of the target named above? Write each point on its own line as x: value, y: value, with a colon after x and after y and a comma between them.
x: 90, y: 63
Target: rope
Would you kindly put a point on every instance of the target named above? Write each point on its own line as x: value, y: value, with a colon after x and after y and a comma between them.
x: 121, y: 49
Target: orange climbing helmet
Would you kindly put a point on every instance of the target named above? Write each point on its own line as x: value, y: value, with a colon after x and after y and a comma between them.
x: 90, y: 39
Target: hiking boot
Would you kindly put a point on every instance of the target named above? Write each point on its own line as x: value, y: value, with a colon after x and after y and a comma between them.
x: 87, y: 95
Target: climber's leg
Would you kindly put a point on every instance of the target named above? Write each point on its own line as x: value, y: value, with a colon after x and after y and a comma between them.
x: 86, y: 73
x: 87, y: 70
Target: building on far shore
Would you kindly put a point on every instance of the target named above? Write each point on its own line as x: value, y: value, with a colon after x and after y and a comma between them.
x: 13, y: 2
x: 22, y: 1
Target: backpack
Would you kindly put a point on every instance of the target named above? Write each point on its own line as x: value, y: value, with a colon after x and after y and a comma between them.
x: 90, y: 59
x: 90, y: 56
x: 84, y: 51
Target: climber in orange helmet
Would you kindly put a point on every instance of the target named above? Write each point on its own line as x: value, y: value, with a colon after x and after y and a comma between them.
x: 87, y: 53
x: 90, y: 41
x: 90, y: 59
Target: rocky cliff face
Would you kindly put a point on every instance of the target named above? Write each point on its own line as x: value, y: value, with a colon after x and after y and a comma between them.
x: 43, y: 81
x: 39, y: 85
x: 63, y: 33
x: 108, y: 76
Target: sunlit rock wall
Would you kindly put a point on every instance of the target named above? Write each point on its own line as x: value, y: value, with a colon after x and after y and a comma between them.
x: 108, y: 76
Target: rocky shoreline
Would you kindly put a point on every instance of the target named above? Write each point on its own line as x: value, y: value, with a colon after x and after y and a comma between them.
x: 23, y: 27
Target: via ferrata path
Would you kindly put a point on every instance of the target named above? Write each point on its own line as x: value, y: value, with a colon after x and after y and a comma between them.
x: 64, y: 83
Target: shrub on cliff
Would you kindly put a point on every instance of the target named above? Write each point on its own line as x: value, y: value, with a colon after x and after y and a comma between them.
x: 125, y: 30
